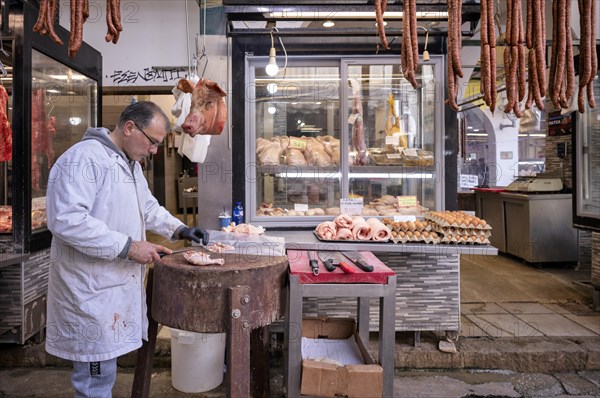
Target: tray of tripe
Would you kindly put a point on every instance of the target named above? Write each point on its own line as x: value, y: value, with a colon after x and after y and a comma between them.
x: 348, y: 240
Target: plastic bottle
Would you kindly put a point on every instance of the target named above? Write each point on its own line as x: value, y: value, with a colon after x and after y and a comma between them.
x: 238, y: 213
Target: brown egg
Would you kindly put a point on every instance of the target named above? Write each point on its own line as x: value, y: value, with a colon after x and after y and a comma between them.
x: 417, y: 234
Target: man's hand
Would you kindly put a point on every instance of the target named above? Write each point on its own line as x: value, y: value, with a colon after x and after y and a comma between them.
x: 143, y: 252
x: 196, y: 234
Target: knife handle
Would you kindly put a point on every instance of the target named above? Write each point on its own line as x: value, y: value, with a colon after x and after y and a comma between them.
x: 346, y: 268
x: 362, y: 264
x: 315, y: 266
x: 329, y: 265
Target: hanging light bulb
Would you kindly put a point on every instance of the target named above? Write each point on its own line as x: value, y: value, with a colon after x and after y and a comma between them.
x: 271, y: 69
x: 271, y: 109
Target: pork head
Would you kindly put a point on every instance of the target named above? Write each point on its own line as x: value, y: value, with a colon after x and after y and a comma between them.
x: 208, y: 112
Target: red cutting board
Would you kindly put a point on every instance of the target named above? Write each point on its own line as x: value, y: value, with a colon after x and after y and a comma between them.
x: 299, y: 266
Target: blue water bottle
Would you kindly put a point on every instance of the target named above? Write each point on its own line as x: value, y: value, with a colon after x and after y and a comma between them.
x: 238, y: 213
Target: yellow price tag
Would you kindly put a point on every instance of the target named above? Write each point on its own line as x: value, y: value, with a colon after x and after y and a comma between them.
x: 297, y: 143
x: 407, y: 201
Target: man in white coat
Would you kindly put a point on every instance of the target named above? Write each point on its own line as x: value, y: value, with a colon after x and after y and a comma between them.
x: 98, y: 209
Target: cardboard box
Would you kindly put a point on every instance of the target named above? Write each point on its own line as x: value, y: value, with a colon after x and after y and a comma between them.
x: 325, y: 379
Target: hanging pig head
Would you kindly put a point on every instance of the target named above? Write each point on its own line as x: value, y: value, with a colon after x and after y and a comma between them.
x: 208, y: 112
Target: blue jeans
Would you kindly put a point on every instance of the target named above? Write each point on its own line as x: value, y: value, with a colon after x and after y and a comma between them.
x: 94, y: 379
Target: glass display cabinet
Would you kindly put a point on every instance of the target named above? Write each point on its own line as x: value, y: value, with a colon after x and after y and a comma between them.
x: 332, y: 128
x: 586, y: 168
x: 49, y: 100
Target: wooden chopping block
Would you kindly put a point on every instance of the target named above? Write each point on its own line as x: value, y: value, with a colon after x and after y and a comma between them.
x: 196, y: 298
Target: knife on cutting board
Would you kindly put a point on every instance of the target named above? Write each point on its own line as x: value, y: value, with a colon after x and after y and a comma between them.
x: 359, y: 260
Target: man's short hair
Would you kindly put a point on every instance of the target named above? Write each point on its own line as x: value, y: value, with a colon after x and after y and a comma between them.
x: 142, y: 113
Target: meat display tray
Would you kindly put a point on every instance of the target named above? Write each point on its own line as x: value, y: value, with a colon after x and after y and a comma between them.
x: 348, y: 241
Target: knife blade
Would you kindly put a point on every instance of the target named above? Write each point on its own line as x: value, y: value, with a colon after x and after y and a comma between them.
x: 326, y: 258
x: 162, y: 254
x: 359, y: 260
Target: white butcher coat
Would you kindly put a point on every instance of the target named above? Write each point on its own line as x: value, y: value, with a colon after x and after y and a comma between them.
x: 96, y: 300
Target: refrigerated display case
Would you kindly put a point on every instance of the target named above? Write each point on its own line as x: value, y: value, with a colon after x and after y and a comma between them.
x: 586, y: 168
x: 50, y: 100
x: 332, y: 128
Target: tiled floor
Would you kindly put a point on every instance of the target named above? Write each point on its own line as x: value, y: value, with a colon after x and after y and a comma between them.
x: 526, y: 320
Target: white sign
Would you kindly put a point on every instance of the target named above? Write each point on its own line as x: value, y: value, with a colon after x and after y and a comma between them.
x: 468, y: 181
x: 300, y: 206
x: 405, y: 218
x: 351, y: 206
x: 392, y: 140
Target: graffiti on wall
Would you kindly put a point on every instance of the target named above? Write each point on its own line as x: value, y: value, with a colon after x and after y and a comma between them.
x: 147, y: 75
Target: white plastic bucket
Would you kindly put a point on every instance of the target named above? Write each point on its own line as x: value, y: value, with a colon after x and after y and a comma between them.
x: 197, y: 360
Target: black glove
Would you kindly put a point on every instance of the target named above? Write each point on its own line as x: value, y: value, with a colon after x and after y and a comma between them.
x: 196, y: 234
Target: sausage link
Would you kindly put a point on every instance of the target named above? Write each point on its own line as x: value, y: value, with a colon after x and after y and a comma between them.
x: 79, y: 28
x: 517, y: 110
x: 485, y: 74
x: 530, y: 78
x: 529, y: 33
x: 111, y: 30
x: 42, y: 15
x: 590, y: 94
x: 593, y: 41
x: 522, y: 88
x: 491, y: 24
x: 570, y: 69
x: 457, y: 38
x: 540, y: 45
x: 554, y: 54
x: 581, y: 100
x: 493, y: 89
x: 50, y: 22
x: 116, y: 15
x: 414, y: 39
x: 379, y: 19
x: 507, y: 77
x: 509, y: 20
x: 561, y: 50
x: 73, y: 26
x: 483, y: 23
x: 515, y: 11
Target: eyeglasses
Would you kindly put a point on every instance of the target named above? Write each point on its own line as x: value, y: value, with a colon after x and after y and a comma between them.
x: 152, y: 142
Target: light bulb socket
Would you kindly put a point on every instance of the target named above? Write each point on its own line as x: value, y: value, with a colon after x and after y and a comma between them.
x: 426, y: 56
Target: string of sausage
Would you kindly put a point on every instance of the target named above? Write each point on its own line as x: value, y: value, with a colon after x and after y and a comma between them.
x: 410, y: 46
x: 588, y: 62
x: 488, y: 54
x: 536, y: 43
x: 514, y: 58
x: 45, y: 21
x: 380, y: 7
x: 454, y: 47
x: 562, y: 70
x: 80, y: 11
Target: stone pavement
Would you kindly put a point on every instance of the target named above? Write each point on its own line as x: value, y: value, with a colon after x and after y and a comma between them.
x: 54, y: 383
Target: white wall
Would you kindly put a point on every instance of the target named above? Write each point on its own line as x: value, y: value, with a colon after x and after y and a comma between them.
x: 154, y: 34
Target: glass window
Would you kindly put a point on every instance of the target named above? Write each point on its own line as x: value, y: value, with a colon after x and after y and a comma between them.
x: 63, y: 105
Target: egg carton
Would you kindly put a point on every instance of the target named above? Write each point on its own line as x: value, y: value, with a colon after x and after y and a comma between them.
x: 464, y: 239
x: 444, y: 223
x: 406, y: 226
x: 450, y: 231
x: 414, y: 239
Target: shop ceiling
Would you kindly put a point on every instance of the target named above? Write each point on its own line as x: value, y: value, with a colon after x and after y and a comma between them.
x: 351, y: 17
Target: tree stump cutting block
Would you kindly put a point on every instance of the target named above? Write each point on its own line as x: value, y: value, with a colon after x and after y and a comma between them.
x: 196, y: 298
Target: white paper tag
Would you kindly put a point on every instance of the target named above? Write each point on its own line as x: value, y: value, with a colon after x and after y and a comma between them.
x: 351, y: 206
x: 38, y: 203
x: 410, y: 152
x: 300, y: 206
x: 392, y: 140
x: 393, y: 156
x: 468, y: 181
x: 405, y: 218
x: 352, y: 118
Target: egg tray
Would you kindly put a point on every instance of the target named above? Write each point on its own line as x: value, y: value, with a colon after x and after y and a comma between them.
x: 443, y: 223
x: 465, y: 239
x: 406, y: 226
x: 452, y: 231
x: 415, y: 239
